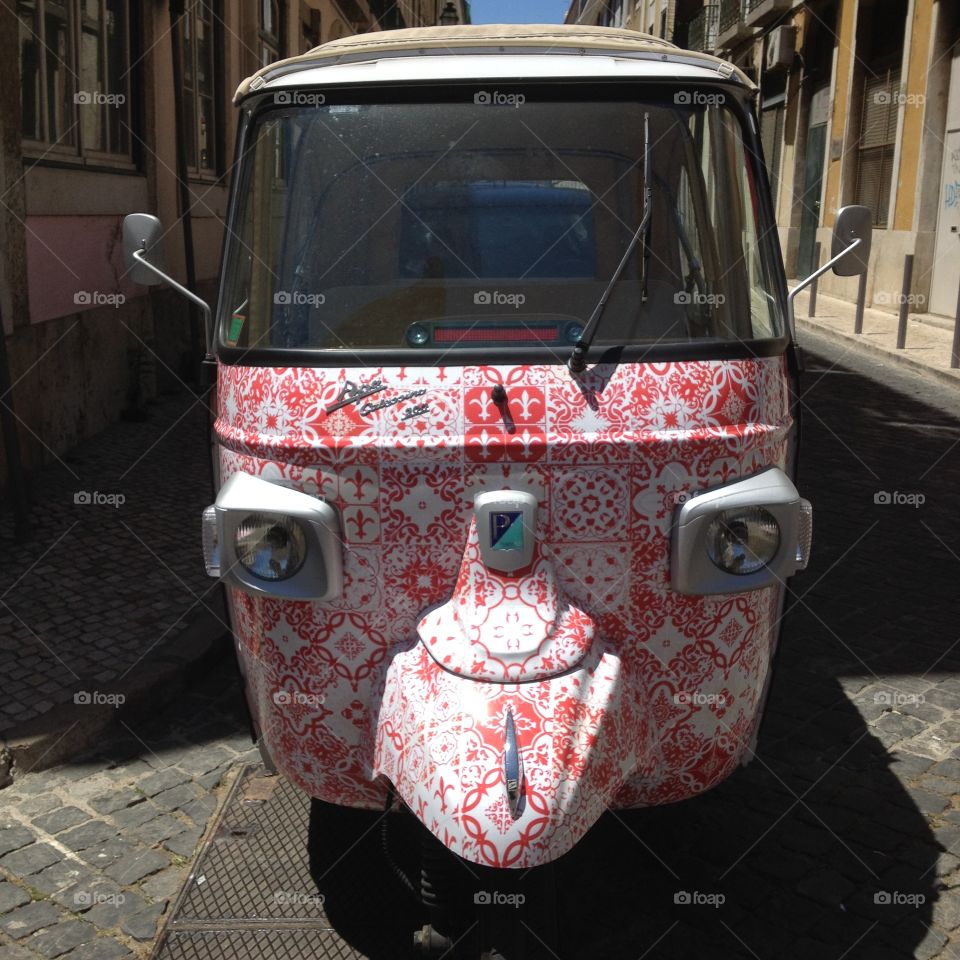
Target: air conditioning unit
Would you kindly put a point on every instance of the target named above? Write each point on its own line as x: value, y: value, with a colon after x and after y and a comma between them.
x: 780, y: 44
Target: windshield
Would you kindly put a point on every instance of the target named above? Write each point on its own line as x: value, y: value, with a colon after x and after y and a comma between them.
x: 464, y: 221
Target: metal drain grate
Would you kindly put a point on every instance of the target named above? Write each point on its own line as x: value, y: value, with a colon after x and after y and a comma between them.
x: 251, y: 894
x: 254, y: 866
x: 205, y: 944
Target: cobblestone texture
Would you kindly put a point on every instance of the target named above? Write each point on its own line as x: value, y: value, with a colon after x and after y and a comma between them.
x: 99, y: 585
x: 107, y: 882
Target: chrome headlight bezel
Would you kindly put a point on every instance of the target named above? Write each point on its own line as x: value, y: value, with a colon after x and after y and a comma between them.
x: 320, y: 574
x: 693, y: 572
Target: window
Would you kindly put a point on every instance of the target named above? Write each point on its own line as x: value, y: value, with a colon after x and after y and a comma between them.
x: 411, y: 225
x: 509, y: 229
x: 878, y: 135
x: 771, y: 136
x: 200, y: 109
x: 879, y: 54
x: 613, y: 14
x: 75, y: 69
x: 270, y: 32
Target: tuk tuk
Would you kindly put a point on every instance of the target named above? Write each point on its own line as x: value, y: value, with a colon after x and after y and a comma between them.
x: 506, y: 430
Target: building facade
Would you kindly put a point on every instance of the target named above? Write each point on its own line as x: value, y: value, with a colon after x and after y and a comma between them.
x: 109, y: 107
x: 859, y: 102
x: 429, y: 13
x: 656, y: 17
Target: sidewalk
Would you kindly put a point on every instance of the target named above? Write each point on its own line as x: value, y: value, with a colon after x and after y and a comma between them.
x: 109, y: 596
x: 92, y: 852
x: 929, y: 338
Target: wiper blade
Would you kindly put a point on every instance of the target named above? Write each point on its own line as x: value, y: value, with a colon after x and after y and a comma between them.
x: 578, y: 359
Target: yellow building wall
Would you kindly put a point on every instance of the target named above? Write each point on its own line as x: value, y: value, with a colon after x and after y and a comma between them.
x: 847, y: 38
x: 913, y: 111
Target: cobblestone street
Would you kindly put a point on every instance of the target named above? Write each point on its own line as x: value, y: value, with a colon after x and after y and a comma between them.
x: 91, y: 852
x: 841, y: 840
x: 110, y: 573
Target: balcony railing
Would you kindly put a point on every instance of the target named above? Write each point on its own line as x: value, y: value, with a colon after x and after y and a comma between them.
x: 730, y: 12
x: 703, y: 29
x: 733, y: 23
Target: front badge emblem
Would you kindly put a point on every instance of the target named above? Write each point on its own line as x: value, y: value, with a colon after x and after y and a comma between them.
x: 506, y: 528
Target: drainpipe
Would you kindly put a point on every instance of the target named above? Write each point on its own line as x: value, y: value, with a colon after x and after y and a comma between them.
x: 183, y: 184
x: 16, y: 484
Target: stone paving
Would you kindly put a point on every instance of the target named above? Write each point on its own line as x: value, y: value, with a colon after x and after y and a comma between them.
x: 841, y: 841
x: 113, y: 569
x: 91, y: 853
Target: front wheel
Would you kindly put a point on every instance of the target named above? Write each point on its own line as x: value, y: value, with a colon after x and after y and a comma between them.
x: 517, y: 918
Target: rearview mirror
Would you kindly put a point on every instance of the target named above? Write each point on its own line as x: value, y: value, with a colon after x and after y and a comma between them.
x: 143, y: 257
x: 142, y: 233
x: 852, y: 223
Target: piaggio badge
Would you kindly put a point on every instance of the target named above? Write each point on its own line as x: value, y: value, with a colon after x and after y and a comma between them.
x: 506, y: 528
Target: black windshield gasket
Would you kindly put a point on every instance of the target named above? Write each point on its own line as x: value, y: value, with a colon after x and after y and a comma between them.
x: 648, y: 90
x: 675, y: 351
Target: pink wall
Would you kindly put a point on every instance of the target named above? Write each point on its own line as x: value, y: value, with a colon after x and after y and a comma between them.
x: 67, y: 256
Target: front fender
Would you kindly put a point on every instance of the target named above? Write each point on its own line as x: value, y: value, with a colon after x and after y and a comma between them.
x: 441, y: 740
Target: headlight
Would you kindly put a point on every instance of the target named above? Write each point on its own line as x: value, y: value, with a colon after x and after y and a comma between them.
x: 742, y: 535
x: 743, y: 541
x: 271, y: 547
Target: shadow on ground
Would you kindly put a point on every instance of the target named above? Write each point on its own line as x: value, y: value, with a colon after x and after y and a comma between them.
x: 830, y: 844
x: 827, y: 845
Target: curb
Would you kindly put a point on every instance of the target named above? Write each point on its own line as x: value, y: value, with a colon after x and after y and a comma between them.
x: 897, y: 356
x: 69, y: 729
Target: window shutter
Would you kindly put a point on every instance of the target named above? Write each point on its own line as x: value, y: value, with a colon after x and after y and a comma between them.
x: 771, y: 136
x: 878, y: 132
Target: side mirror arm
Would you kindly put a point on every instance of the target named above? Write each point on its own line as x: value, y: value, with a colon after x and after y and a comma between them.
x: 183, y: 291
x: 803, y: 284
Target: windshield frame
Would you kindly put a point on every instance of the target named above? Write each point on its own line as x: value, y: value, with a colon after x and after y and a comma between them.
x: 736, y: 99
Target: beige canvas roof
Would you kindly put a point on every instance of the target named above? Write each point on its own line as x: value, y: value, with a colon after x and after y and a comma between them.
x: 548, y: 37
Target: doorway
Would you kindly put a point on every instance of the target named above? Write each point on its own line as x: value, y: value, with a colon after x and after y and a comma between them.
x: 945, y: 277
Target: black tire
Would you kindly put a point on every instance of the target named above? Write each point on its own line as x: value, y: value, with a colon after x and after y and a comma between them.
x: 363, y: 900
x: 524, y: 925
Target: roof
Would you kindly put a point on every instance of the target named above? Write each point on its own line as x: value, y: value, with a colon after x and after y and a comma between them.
x: 489, y: 39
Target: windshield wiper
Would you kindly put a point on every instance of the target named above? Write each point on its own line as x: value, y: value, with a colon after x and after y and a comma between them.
x: 578, y: 359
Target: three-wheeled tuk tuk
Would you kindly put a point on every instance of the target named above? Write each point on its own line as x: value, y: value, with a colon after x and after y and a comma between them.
x: 506, y: 428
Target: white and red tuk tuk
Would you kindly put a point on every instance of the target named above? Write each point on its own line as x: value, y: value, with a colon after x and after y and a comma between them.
x: 506, y: 427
